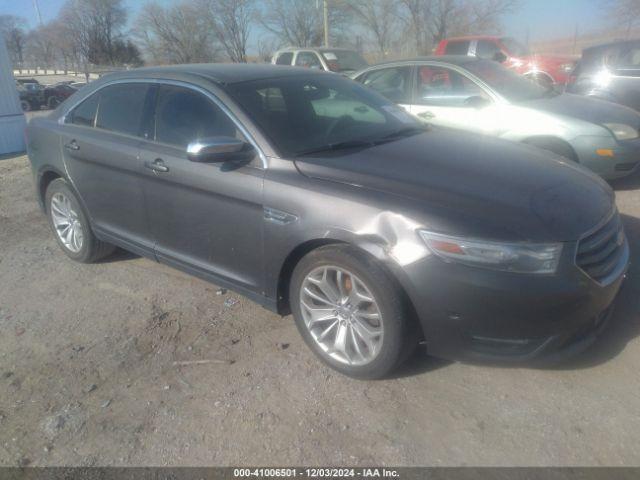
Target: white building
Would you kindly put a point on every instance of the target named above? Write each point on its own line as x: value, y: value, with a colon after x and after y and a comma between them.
x: 12, y: 121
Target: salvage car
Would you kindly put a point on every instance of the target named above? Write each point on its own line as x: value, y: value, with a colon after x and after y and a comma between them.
x: 485, y: 97
x: 312, y: 194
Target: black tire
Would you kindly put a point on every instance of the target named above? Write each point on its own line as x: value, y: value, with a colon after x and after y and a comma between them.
x: 554, y: 145
x: 26, y: 106
x: 53, y: 102
x: 541, y: 79
x: 401, y: 331
x: 92, y: 249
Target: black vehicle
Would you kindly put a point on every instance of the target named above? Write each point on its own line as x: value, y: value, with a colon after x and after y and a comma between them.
x: 31, y: 95
x: 311, y: 194
x: 611, y: 72
x: 54, y: 95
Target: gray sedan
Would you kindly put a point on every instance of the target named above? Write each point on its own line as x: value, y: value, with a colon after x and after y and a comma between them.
x: 484, y: 97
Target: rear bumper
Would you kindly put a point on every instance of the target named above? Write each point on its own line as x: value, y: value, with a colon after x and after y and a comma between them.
x: 482, y: 315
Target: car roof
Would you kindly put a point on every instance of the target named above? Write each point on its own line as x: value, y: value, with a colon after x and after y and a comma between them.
x: 315, y: 49
x: 604, y: 46
x: 472, y: 37
x: 459, y: 60
x: 221, y: 73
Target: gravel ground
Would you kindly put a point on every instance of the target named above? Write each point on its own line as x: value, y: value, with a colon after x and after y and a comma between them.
x: 88, y: 375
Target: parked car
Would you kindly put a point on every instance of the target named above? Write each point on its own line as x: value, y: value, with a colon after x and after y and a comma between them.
x: 54, y: 95
x: 611, y: 72
x: 339, y: 60
x: 311, y: 194
x: 544, y: 69
x: 484, y: 97
x: 23, y: 81
x: 31, y: 95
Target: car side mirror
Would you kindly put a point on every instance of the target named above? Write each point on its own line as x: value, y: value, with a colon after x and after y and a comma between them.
x: 476, y: 101
x: 499, y: 57
x: 217, y: 149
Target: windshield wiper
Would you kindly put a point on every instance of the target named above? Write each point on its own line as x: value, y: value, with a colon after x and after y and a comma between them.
x: 402, y: 132
x: 336, y: 146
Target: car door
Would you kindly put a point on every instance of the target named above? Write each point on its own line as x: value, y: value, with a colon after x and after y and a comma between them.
x: 625, y: 82
x: 443, y: 96
x: 206, y: 218
x: 101, y: 143
x: 394, y: 83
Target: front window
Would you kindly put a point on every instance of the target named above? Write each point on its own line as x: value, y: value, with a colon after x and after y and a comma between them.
x: 514, y: 48
x: 304, y: 114
x: 439, y: 86
x: 393, y: 83
x: 343, y: 60
x: 507, y: 83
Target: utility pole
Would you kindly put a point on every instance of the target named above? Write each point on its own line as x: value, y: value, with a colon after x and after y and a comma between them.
x: 35, y: 5
x: 325, y: 8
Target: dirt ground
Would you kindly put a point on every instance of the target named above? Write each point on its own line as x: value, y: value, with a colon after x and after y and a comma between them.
x: 88, y: 375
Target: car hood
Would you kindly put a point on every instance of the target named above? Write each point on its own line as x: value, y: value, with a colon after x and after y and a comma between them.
x: 589, y: 109
x: 474, y: 185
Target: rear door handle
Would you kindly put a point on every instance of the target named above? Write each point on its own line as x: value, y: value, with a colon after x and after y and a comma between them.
x: 157, y: 166
x: 72, y: 145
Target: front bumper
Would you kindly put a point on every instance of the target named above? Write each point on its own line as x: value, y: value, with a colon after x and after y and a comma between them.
x: 475, y: 314
x: 625, y: 159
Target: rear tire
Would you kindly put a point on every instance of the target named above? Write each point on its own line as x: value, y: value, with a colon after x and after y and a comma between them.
x: 26, y: 106
x: 354, y: 277
x: 71, y: 226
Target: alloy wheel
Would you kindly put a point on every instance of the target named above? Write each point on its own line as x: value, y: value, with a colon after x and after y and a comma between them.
x: 66, y: 222
x: 342, y: 315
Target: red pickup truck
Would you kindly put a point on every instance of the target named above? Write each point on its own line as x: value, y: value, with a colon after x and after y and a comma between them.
x: 545, y: 69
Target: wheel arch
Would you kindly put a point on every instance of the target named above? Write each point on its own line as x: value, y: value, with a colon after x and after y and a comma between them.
x: 368, y: 249
x: 45, y: 177
x: 538, y: 140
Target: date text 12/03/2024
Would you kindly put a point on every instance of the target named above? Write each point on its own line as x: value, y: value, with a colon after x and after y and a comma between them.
x: 316, y: 472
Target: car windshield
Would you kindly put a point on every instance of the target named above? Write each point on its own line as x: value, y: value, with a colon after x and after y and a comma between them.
x: 507, y: 83
x: 343, y: 60
x: 514, y: 48
x: 309, y: 114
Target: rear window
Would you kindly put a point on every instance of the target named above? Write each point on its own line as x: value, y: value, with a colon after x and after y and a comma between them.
x: 121, y: 108
x: 344, y: 60
x: 284, y: 58
x: 457, y: 47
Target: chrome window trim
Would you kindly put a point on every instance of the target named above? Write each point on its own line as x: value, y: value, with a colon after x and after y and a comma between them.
x: 177, y: 83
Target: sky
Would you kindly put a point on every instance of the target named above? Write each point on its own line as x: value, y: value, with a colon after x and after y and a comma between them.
x: 543, y: 19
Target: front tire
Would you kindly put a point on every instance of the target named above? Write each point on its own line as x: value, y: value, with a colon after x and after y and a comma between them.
x: 351, y: 313
x: 71, y: 226
x: 26, y: 106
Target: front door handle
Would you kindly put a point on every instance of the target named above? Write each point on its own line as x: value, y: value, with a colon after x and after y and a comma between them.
x: 157, y: 166
x: 72, y: 145
x: 426, y: 115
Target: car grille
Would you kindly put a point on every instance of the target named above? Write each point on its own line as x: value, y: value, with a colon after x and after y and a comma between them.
x: 600, y: 252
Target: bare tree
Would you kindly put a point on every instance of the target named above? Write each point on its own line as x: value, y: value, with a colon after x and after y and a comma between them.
x: 40, y: 46
x: 13, y: 29
x: 299, y: 23
x: 378, y: 17
x: 266, y: 47
x: 94, y: 27
x: 176, y: 34
x: 231, y: 21
x: 433, y: 20
x: 623, y: 12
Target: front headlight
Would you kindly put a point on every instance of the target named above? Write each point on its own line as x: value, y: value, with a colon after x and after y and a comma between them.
x: 539, y: 258
x: 622, y: 131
